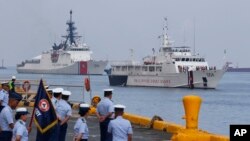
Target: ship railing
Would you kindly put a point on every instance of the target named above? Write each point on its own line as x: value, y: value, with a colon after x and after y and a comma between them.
x: 124, y: 63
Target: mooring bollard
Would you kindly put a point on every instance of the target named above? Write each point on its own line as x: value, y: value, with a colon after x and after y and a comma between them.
x: 191, y: 133
x: 192, y: 107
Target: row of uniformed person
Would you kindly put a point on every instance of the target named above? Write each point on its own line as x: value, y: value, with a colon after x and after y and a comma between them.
x: 63, y: 111
x: 112, y: 125
x: 118, y: 129
x: 105, y: 111
x: 9, y: 102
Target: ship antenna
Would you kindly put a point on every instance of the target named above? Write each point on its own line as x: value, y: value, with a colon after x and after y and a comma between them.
x: 165, y: 28
x: 165, y: 40
x: 132, y: 54
x: 194, y: 38
x: 72, y: 35
x: 70, y: 15
x: 184, y: 35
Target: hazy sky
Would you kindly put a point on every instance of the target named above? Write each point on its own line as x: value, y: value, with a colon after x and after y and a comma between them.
x: 112, y: 27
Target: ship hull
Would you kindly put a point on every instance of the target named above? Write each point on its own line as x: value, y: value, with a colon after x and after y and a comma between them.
x: 200, y: 79
x: 238, y: 69
x: 77, y: 68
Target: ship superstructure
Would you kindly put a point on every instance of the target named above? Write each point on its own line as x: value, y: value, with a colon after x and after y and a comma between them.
x: 69, y: 57
x: 170, y: 67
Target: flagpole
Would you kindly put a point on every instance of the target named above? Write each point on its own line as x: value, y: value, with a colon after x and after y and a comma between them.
x: 33, y: 112
x: 32, y: 116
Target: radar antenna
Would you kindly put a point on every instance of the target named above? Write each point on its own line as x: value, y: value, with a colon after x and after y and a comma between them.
x: 72, y: 35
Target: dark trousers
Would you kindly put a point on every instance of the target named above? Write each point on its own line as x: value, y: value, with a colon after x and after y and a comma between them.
x: 84, y: 140
x: 63, y: 132
x: 105, y: 136
x: 5, y: 135
x: 50, y: 135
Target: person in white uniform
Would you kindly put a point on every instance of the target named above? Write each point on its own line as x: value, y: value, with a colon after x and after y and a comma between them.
x: 20, y: 131
x: 4, y: 95
x: 120, y: 128
x: 81, y: 131
x: 57, y: 94
x: 64, y: 113
x: 6, y: 117
x: 104, y: 112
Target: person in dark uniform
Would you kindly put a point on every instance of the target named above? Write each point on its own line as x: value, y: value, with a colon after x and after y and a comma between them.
x: 120, y: 128
x: 104, y: 112
x: 12, y: 84
x: 6, y: 117
x: 81, y: 131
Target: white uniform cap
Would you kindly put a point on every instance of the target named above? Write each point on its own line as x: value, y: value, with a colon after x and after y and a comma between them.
x: 21, y: 109
x: 49, y: 90
x: 58, y: 90
x: 108, y: 90
x: 13, y: 77
x: 119, y: 106
x: 4, y: 83
x: 46, y: 87
x: 68, y: 93
x: 84, y: 105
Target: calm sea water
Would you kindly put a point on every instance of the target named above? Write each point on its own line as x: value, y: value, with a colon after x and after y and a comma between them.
x: 228, y: 104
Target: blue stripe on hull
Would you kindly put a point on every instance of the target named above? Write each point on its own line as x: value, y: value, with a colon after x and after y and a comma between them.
x: 118, y: 80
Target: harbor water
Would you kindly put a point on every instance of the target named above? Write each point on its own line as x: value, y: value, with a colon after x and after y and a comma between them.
x: 228, y: 104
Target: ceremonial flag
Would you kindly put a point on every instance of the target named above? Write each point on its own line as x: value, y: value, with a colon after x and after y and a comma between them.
x: 44, y: 113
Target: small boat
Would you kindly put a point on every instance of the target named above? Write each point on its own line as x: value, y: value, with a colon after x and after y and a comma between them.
x: 170, y: 67
x: 69, y: 57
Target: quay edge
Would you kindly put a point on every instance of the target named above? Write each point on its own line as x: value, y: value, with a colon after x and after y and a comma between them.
x: 164, y: 126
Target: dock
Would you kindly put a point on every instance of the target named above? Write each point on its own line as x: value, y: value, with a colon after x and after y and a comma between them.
x: 139, y: 133
x: 144, y: 128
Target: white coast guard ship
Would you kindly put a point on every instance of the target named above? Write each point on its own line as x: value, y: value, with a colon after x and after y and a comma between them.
x: 170, y: 67
x: 69, y: 57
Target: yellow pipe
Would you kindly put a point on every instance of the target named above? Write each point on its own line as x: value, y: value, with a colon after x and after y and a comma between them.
x: 160, y: 125
x: 174, y: 128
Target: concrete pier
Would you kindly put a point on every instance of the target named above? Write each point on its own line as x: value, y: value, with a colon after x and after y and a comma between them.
x: 139, y: 133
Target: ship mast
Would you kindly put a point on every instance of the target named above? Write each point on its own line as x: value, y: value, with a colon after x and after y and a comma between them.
x: 72, y: 35
x: 194, y: 39
x: 165, y: 39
